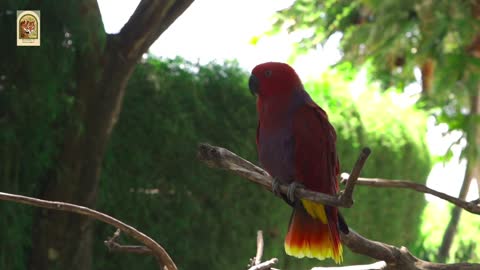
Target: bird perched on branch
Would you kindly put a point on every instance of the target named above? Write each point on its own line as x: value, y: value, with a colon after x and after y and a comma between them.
x: 296, y: 145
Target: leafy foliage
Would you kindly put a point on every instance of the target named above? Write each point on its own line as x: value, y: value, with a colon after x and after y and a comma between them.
x: 396, y: 37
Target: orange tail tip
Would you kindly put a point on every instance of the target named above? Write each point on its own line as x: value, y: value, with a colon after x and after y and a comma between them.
x: 311, y: 237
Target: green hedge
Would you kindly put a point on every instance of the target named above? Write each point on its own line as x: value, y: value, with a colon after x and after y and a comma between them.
x: 207, y: 218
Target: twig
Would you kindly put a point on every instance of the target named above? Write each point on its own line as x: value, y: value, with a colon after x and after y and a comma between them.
x: 347, y: 195
x: 260, y: 244
x: 113, y: 246
x: 158, y: 251
x: 218, y: 157
x: 116, y: 247
x: 374, y: 266
x: 264, y: 265
x: 472, y: 206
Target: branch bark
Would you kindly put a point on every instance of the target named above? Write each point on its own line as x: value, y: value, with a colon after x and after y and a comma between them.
x: 394, y: 257
x: 221, y: 158
x: 150, y: 19
x: 158, y: 251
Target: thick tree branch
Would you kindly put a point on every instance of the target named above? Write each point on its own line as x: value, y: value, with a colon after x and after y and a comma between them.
x: 218, y: 157
x: 157, y: 250
x: 472, y: 207
x: 394, y: 257
x: 150, y: 19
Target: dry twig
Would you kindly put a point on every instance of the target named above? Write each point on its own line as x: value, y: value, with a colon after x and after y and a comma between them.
x: 113, y: 246
x: 260, y: 245
x: 265, y: 265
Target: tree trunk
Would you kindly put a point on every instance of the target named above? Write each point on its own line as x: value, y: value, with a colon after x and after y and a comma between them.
x: 64, y: 241
x: 472, y: 162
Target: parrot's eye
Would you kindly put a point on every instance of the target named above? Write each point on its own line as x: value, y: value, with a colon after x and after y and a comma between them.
x: 268, y: 73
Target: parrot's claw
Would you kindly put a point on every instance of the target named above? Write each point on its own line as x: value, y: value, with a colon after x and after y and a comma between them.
x: 291, y: 191
x: 276, y: 187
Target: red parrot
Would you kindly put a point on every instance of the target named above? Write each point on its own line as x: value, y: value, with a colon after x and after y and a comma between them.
x: 296, y: 145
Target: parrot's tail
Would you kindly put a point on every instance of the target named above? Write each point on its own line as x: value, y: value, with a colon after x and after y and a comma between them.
x: 311, y: 234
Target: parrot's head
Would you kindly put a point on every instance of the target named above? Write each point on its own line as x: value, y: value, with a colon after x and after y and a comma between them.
x: 273, y: 79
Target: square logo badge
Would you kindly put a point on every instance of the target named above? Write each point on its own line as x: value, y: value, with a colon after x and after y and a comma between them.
x: 28, y: 27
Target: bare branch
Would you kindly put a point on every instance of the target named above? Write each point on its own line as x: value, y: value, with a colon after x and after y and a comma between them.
x: 158, y: 251
x: 347, y: 195
x: 373, y: 266
x: 264, y: 265
x: 260, y: 244
x: 472, y: 206
x: 218, y: 157
x: 113, y: 246
x: 116, y: 247
x: 394, y: 257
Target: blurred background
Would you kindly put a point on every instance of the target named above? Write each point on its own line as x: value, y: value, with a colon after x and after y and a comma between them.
x: 398, y: 76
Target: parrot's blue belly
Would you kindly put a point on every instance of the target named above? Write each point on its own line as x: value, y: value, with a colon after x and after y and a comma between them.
x: 275, y: 152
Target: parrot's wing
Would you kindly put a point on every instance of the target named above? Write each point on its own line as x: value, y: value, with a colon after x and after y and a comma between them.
x: 316, y: 162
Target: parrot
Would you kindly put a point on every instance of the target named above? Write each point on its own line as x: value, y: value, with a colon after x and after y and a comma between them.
x: 296, y: 145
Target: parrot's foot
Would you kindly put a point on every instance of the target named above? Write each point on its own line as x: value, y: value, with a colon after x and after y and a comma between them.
x: 276, y: 187
x: 291, y: 191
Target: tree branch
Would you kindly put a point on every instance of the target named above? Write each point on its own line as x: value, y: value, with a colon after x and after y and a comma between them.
x: 113, y: 246
x: 221, y: 158
x: 472, y: 206
x: 374, y: 266
x: 265, y: 265
x: 260, y: 244
x: 116, y: 247
x: 347, y: 195
x: 158, y: 251
x: 150, y: 19
x: 395, y: 258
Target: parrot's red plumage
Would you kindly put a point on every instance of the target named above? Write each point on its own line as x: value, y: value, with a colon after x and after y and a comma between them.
x: 296, y: 142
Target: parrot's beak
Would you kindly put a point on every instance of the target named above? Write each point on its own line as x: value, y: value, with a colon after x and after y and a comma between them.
x: 253, y: 85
